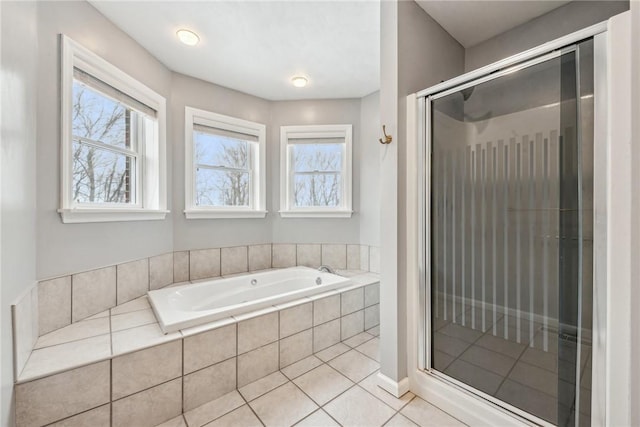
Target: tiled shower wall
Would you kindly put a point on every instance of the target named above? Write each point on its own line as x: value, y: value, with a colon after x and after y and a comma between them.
x: 150, y: 386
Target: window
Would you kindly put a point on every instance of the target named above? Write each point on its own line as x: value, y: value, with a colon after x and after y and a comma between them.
x: 113, y: 142
x: 315, y: 177
x: 225, y: 166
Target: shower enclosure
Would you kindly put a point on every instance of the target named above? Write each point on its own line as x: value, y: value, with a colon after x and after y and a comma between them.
x: 509, y: 228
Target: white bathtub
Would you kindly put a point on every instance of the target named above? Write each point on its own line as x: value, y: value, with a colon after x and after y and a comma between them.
x: 194, y: 304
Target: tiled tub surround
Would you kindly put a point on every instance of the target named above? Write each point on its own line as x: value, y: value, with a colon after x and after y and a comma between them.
x: 61, y: 301
x: 117, y: 368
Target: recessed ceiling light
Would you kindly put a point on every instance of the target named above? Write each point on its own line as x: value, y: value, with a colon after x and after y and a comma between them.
x: 299, y: 81
x: 188, y: 37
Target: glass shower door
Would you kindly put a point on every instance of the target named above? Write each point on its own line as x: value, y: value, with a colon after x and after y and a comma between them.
x: 511, y: 226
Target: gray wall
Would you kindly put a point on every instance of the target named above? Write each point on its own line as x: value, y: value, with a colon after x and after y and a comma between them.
x: 204, y: 233
x: 207, y: 233
x: 67, y: 248
x: 317, y: 112
x: 369, y: 178
x: 417, y: 32
x: 405, y: 29
x: 635, y: 213
x: 18, y: 153
x: 559, y: 22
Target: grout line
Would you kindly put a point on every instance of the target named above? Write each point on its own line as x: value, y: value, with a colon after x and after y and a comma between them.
x: 237, y: 356
x: 111, y: 391
x: 339, y: 394
x: 343, y: 375
x: 205, y: 367
x: 316, y: 403
x: 83, y: 412
x: 404, y: 406
x: 144, y: 390
x: 313, y: 329
x: 110, y: 337
x: 124, y: 312
x: 279, y: 314
x: 115, y: 267
x: 182, y: 380
x: 70, y: 303
x: 249, y: 405
x: 346, y: 256
x: 75, y: 341
x: 148, y: 274
x: 320, y: 409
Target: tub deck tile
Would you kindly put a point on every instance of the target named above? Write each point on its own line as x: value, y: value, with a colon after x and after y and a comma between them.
x: 139, y: 338
x: 75, y: 332
x: 140, y: 303
x: 132, y: 319
x: 207, y: 326
x: 63, y: 357
x: 64, y: 346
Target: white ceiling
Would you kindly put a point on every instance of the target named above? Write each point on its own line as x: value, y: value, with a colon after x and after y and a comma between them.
x: 474, y: 21
x: 257, y: 46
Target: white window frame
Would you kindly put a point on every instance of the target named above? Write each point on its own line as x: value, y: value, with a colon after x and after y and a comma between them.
x: 150, y: 182
x: 257, y: 203
x: 287, y: 210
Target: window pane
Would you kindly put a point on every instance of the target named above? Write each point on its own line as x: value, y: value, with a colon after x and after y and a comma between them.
x: 215, y: 150
x: 101, y: 176
x: 222, y: 187
x: 316, y: 190
x: 317, y: 157
x: 100, y: 118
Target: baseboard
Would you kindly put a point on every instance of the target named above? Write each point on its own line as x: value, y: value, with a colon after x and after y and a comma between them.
x: 396, y: 388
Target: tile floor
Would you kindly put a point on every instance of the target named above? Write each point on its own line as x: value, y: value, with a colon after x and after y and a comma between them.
x: 519, y: 371
x: 335, y: 387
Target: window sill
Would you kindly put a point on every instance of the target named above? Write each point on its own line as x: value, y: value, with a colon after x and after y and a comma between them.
x: 226, y: 214
x: 73, y: 216
x: 316, y: 214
